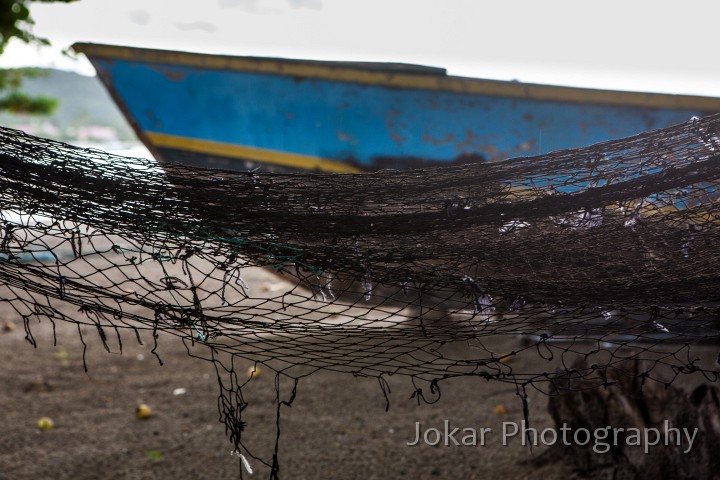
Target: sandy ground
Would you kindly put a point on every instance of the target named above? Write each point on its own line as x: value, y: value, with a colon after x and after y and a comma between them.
x: 337, y: 427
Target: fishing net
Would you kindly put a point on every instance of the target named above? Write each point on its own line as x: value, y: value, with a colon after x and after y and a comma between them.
x: 604, y: 253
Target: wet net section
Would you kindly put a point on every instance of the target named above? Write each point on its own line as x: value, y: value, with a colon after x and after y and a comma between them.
x: 605, y: 253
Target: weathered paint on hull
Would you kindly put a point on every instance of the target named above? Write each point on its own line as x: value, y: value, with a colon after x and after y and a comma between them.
x: 235, y: 112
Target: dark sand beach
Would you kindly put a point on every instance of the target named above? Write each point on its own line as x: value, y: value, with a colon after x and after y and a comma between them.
x: 336, y: 428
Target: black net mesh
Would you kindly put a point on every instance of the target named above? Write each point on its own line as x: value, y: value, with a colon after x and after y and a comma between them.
x: 604, y: 253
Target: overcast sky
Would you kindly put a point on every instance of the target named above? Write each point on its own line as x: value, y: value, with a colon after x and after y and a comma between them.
x: 630, y: 44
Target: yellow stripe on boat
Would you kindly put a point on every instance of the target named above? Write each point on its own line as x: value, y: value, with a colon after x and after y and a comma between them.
x: 275, y: 157
x: 394, y: 79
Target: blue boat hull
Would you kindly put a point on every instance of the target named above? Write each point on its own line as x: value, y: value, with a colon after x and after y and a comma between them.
x: 221, y: 112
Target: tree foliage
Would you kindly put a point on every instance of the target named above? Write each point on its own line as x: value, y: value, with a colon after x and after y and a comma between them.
x: 17, y: 23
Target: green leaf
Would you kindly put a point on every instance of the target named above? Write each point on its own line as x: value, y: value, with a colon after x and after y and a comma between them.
x: 19, y: 102
x: 16, y: 22
x: 154, y: 454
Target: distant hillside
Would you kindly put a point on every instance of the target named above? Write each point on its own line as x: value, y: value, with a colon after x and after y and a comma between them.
x: 86, y: 111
